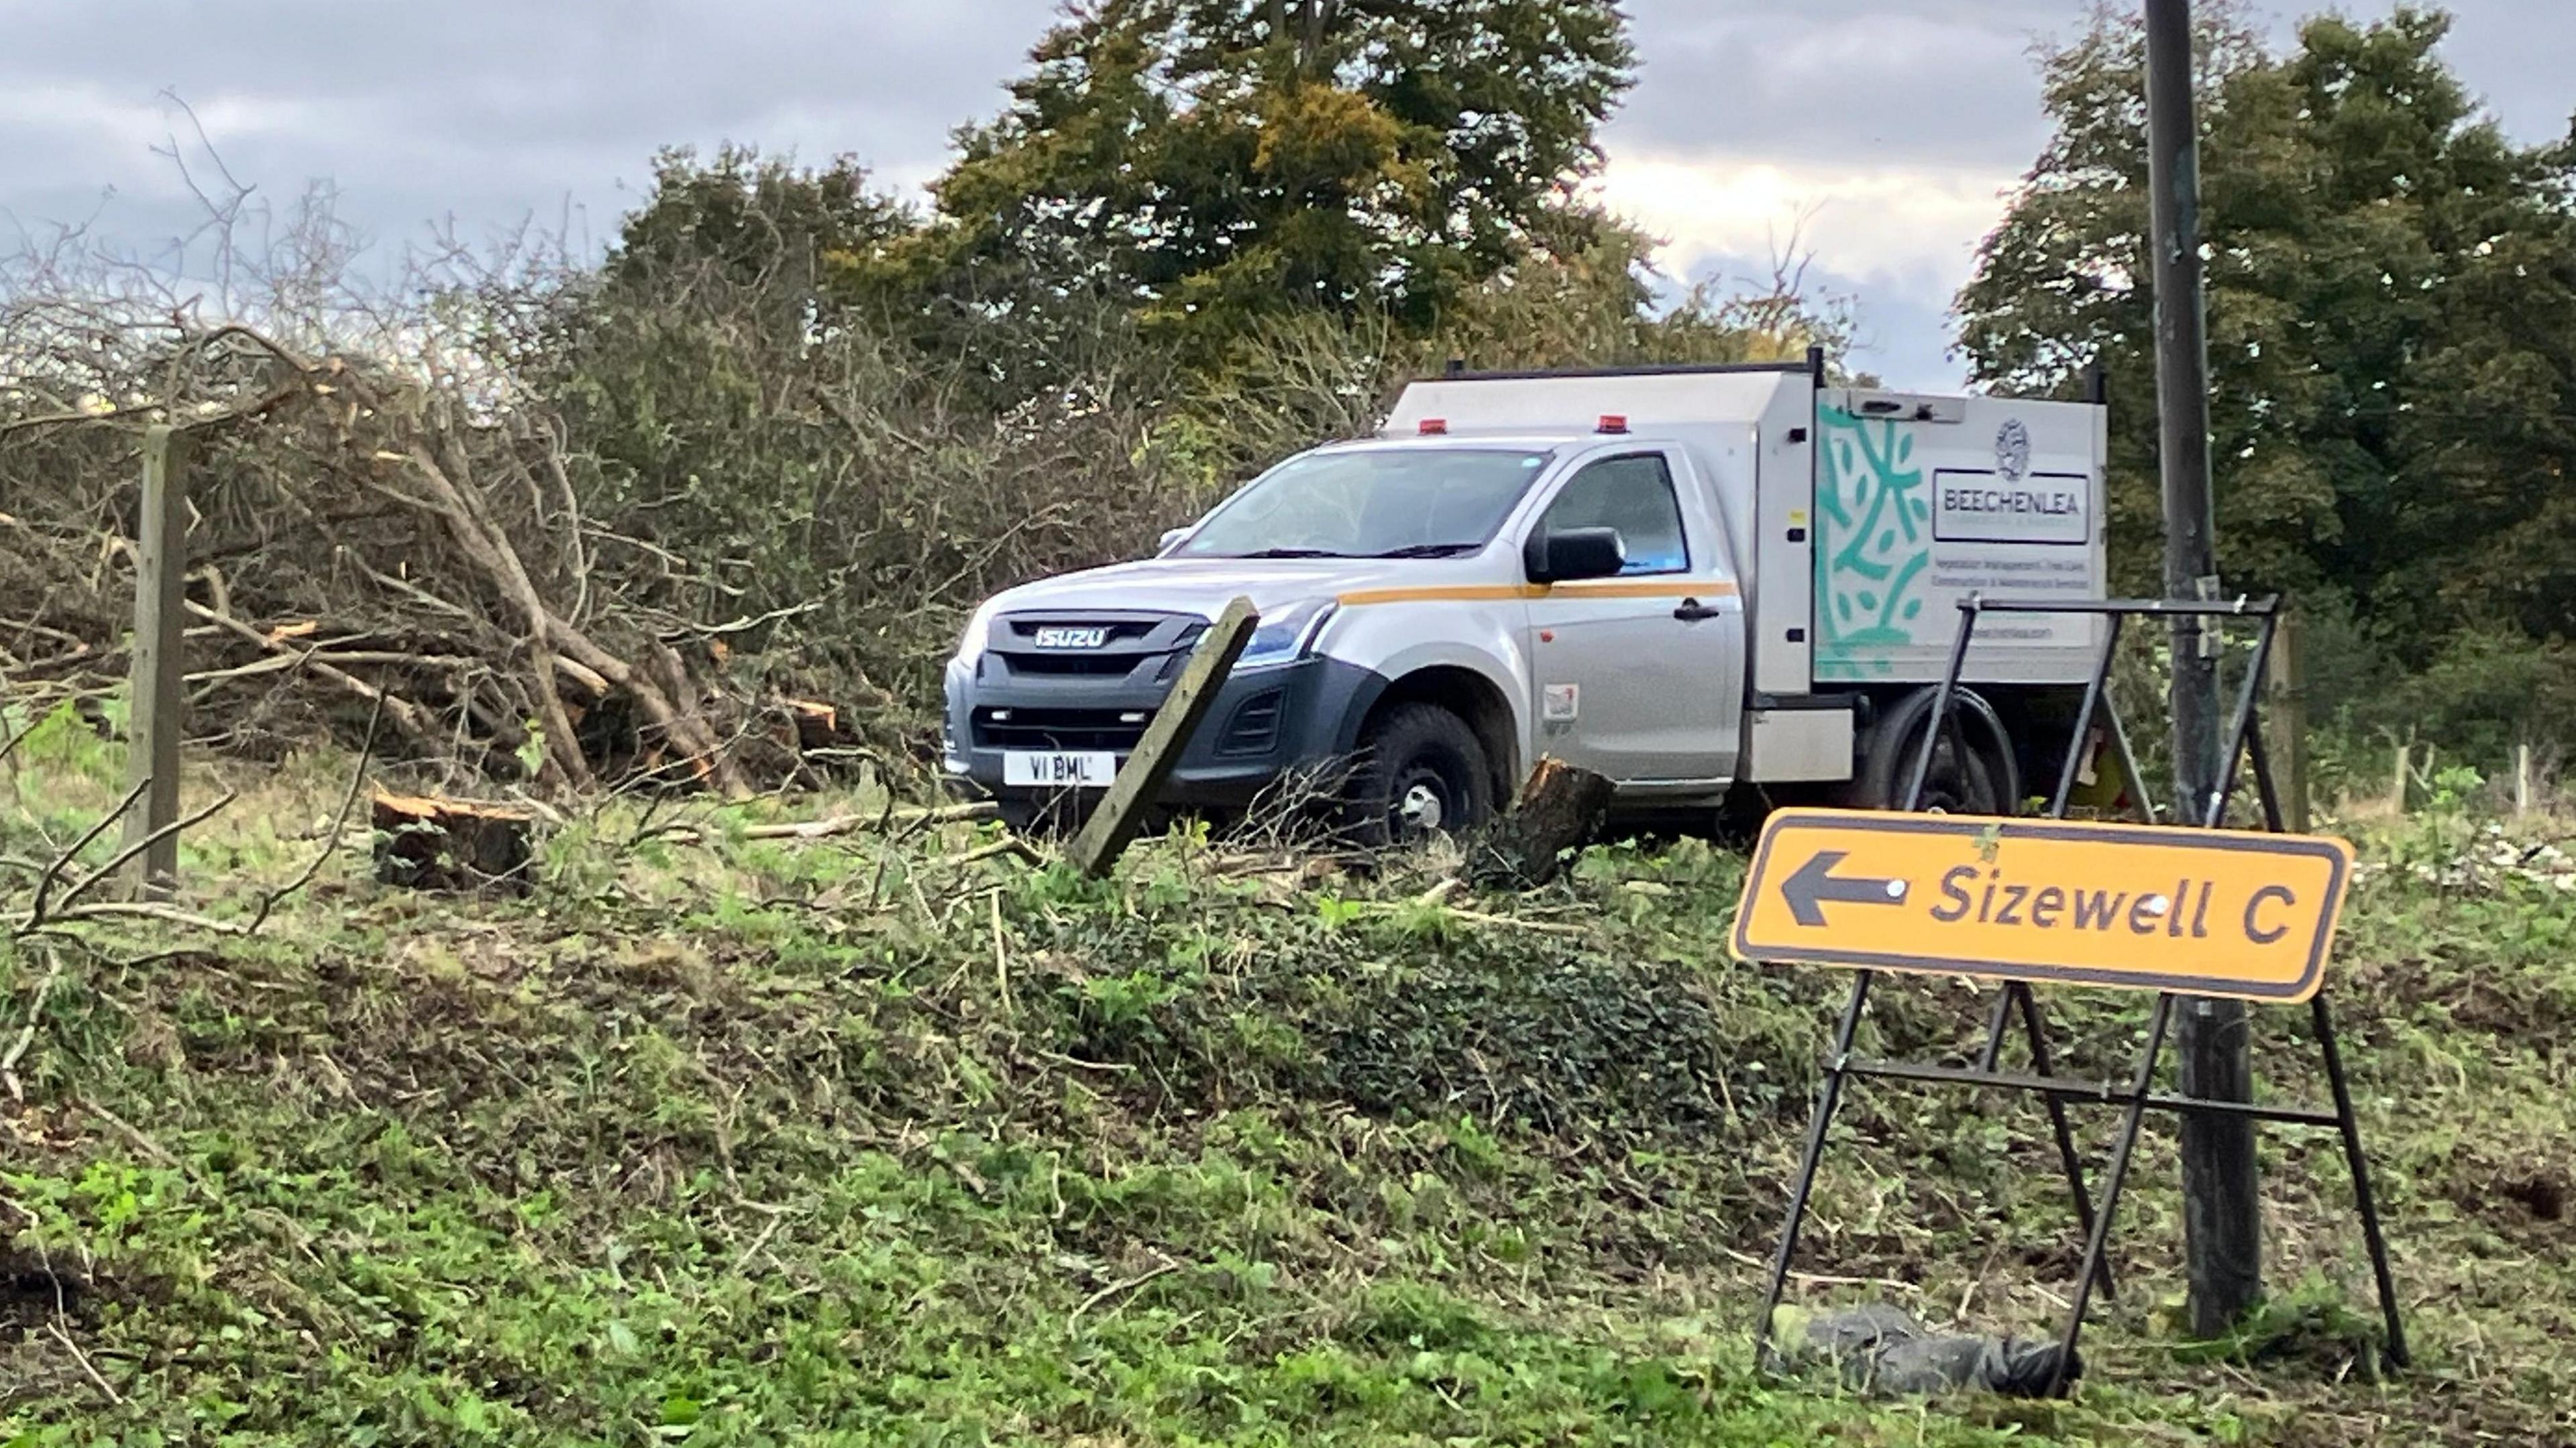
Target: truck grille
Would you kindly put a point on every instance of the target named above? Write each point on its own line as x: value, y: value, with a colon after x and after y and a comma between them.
x: 1112, y: 729
x: 1092, y: 665
x: 1113, y: 630
x: 1140, y: 648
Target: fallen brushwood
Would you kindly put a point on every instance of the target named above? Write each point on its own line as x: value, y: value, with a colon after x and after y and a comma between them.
x: 850, y: 824
x: 1011, y: 845
x: 406, y: 715
x: 886, y: 820
x: 440, y: 544
x: 450, y: 844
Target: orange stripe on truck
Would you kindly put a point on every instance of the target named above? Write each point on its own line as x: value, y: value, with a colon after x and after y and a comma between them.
x: 1499, y: 592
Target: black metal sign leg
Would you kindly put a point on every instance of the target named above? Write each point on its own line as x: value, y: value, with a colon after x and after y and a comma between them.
x: 2040, y: 1065
x: 2139, y: 796
x: 1996, y: 1020
x: 2016, y: 999
x: 1941, y: 724
x: 2266, y: 789
x: 1829, y: 1095
x: 2093, y: 702
x: 2114, y: 1179
x: 2360, y: 1167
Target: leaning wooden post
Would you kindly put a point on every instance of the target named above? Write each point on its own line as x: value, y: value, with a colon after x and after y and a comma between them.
x: 2289, y: 712
x: 160, y: 611
x: 1113, y: 825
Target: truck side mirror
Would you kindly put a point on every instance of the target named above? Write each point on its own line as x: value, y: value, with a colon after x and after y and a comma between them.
x: 1170, y: 537
x: 1573, y: 554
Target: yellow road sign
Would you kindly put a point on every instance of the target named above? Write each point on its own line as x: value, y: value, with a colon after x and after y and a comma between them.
x: 2202, y: 912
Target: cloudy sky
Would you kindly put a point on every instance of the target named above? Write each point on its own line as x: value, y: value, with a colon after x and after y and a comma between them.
x: 1883, y: 133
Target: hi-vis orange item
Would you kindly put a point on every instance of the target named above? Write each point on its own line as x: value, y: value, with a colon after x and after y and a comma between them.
x: 2200, y: 912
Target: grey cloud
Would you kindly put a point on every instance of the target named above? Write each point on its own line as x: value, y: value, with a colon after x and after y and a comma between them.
x: 2517, y: 55
x: 1953, y: 82
x: 486, y: 110
x: 1947, y: 82
x: 489, y: 111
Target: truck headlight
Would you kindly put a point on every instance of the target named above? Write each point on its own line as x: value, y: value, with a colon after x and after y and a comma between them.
x: 1285, y: 636
x: 979, y: 632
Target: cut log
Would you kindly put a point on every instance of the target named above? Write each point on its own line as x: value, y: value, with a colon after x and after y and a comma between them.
x: 451, y: 844
x: 1560, y: 808
x: 819, y: 726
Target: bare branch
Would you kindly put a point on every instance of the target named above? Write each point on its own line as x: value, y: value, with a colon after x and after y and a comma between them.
x: 27, y: 1034
x: 339, y: 824
x: 36, y: 913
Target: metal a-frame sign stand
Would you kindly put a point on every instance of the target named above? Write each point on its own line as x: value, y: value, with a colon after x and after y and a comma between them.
x: 2139, y: 1095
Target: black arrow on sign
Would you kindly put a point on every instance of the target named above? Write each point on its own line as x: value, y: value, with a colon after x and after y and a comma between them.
x: 1815, y: 883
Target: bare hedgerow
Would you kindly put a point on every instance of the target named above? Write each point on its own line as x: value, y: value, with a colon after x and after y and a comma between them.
x: 407, y: 495
x: 379, y: 519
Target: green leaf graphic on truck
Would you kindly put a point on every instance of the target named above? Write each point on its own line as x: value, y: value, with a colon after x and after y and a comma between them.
x: 1873, y: 543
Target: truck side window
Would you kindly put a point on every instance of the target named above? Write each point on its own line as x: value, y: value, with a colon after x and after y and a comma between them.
x: 1633, y: 494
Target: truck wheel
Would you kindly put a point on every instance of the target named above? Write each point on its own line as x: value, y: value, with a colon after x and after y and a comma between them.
x: 1976, y: 779
x: 1421, y: 772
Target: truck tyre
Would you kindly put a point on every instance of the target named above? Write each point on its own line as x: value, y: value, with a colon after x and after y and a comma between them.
x: 1979, y: 779
x: 1421, y: 772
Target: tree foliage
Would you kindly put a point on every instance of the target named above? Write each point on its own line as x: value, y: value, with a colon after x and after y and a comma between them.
x: 1213, y: 162
x: 2392, y: 310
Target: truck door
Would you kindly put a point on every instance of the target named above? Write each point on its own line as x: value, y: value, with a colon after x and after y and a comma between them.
x: 1641, y: 677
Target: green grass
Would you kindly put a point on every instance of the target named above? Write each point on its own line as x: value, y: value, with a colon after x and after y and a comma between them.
x: 848, y: 1143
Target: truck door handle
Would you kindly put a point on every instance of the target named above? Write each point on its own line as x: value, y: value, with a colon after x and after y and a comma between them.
x: 1692, y: 611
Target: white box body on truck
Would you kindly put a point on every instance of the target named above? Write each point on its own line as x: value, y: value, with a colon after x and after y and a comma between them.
x: 1691, y: 580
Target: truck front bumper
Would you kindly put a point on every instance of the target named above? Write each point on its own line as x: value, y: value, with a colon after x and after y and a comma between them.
x: 1269, y: 723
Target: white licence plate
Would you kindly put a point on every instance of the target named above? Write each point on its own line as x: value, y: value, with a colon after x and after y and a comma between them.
x: 1060, y: 770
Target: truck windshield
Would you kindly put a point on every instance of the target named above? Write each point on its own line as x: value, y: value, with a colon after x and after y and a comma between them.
x: 1395, y: 502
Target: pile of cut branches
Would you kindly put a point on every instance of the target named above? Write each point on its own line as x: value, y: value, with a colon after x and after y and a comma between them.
x: 358, y: 535
x: 382, y: 522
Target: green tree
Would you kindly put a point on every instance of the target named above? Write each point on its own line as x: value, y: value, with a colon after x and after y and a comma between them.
x: 2392, y: 302
x: 1211, y: 162
x: 754, y: 221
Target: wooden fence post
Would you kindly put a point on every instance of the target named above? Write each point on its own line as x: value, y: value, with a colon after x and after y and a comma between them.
x: 154, y: 725
x: 2397, y: 784
x: 2289, y: 686
x: 1106, y: 835
x: 2521, y: 780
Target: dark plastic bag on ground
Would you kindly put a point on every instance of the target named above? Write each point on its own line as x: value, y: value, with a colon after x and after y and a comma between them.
x: 1882, y: 1349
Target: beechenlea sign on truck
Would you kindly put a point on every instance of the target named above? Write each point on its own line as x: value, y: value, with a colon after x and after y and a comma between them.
x: 1692, y: 580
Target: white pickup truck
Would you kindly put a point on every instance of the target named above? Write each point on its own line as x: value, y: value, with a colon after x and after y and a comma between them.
x: 1695, y: 580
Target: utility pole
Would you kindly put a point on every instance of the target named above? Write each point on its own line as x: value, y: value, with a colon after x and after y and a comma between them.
x: 2222, y: 1209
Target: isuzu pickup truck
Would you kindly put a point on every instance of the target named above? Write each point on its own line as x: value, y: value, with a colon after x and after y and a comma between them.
x: 1697, y: 581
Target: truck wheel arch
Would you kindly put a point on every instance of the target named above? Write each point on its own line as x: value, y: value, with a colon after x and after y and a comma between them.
x: 1462, y: 691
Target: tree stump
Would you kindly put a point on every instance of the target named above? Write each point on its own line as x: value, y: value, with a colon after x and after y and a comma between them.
x: 819, y: 726
x: 1560, y: 808
x: 449, y: 844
